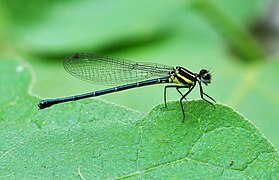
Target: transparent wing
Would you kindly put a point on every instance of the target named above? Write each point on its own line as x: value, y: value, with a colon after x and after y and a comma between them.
x: 106, y: 70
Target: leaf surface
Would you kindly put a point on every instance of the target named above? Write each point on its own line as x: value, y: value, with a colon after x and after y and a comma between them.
x: 95, y: 139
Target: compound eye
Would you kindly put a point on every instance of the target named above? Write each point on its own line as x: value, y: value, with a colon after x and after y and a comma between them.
x: 205, y: 76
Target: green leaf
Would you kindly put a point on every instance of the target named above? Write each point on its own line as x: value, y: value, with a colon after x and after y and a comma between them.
x: 169, y: 32
x: 95, y: 139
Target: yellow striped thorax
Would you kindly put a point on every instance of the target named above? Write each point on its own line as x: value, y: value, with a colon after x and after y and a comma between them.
x: 180, y: 75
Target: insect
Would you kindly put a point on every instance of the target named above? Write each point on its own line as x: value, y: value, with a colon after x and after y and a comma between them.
x: 114, y: 71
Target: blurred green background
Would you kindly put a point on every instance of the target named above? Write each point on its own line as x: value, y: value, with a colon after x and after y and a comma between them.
x: 238, y: 40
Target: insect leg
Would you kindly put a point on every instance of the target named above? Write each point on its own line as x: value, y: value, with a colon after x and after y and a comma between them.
x: 202, y: 93
x: 184, y: 97
x: 172, y: 86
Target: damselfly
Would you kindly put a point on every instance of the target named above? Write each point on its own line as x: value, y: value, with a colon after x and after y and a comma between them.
x: 114, y: 71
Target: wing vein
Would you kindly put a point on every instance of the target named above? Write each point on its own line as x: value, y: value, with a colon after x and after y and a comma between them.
x: 105, y: 70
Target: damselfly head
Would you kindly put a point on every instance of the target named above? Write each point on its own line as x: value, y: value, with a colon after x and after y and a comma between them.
x: 205, y: 76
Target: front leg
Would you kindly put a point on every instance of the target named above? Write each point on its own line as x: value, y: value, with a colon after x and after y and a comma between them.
x: 202, y: 93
